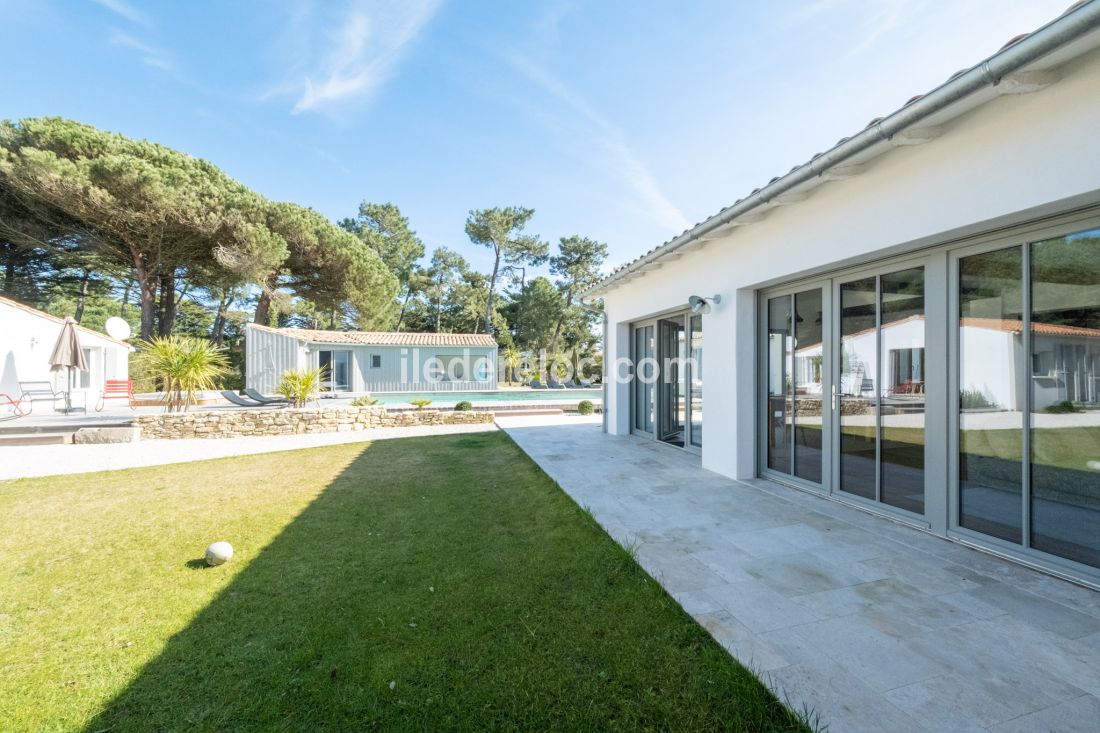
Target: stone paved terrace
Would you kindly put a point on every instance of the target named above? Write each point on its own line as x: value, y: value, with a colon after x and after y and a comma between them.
x: 875, y: 626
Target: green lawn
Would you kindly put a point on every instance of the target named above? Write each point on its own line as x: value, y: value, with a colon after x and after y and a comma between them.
x: 427, y: 584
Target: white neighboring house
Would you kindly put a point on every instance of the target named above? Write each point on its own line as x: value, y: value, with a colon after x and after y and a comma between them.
x: 27, y: 336
x: 372, y: 361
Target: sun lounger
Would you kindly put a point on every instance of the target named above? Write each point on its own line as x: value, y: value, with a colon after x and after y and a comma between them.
x: 264, y: 399
x: 17, y: 409
x: 32, y: 392
x: 239, y: 401
x: 536, y: 384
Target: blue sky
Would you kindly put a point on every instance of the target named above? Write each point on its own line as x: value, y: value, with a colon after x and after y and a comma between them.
x: 623, y: 121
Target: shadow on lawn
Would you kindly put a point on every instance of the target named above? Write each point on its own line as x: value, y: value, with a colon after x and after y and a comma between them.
x: 440, y: 583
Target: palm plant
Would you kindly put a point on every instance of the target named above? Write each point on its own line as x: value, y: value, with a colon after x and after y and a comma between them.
x: 299, y: 387
x: 184, y: 365
x: 512, y: 358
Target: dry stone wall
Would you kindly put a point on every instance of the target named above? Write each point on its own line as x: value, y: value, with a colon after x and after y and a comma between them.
x: 238, y: 423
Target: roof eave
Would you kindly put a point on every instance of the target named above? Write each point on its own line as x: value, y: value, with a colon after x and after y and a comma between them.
x: 1073, y: 25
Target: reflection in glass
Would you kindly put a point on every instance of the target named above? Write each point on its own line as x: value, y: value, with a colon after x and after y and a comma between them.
x: 1065, y: 404
x: 779, y: 368
x: 671, y: 394
x: 857, y: 386
x: 902, y: 399
x: 990, y: 403
x: 644, y: 370
x: 695, y: 383
x: 806, y: 378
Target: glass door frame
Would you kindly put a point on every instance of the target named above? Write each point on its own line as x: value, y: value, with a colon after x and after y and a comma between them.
x: 657, y: 400
x: 942, y: 492
x: 762, y: 406
x: 934, y: 353
x: 635, y: 386
x: 1021, y: 552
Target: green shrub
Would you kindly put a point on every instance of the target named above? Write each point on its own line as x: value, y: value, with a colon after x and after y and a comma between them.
x: 364, y: 401
x: 464, y: 406
x: 183, y: 365
x: 420, y: 404
x: 585, y: 407
x: 299, y: 387
x: 1064, y: 407
x: 974, y: 399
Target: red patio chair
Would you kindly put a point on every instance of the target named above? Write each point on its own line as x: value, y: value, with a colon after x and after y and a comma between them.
x: 116, y: 389
x: 15, y: 405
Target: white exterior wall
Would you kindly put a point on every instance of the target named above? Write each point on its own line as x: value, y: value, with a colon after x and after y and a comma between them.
x: 268, y: 355
x: 403, y: 367
x: 26, y: 340
x: 1014, y: 159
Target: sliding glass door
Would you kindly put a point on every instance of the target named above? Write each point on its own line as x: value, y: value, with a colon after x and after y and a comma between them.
x: 672, y: 397
x: 1029, y: 395
x: 795, y: 368
x: 880, y: 388
x: 643, y: 386
x: 958, y: 390
x: 844, y: 389
x: 666, y: 392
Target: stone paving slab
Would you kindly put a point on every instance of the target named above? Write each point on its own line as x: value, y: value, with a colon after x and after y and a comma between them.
x: 872, y: 625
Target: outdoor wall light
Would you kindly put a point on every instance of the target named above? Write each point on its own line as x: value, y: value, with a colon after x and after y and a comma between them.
x: 699, y: 304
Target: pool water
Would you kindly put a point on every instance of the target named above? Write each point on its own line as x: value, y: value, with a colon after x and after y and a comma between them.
x: 525, y: 395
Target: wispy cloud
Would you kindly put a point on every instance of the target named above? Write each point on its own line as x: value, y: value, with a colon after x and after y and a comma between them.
x: 124, y: 10
x: 622, y: 159
x: 362, y: 53
x: 150, y: 55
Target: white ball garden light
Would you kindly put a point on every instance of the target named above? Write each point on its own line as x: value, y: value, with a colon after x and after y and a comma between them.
x: 219, y: 553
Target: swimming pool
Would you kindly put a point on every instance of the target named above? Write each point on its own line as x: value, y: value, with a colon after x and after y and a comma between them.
x: 504, y: 395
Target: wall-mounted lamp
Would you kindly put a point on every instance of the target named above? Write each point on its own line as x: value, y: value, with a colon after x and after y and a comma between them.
x: 699, y: 304
x: 34, y: 342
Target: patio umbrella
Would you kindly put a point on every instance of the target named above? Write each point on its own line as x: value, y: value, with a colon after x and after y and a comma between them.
x: 67, y: 354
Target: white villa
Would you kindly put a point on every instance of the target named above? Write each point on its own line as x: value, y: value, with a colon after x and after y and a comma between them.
x: 909, y: 321
x: 27, y: 337
x: 358, y: 362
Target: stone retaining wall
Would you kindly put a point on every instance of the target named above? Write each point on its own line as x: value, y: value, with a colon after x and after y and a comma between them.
x: 237, y: 423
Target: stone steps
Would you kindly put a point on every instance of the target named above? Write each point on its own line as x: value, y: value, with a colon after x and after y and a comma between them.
x: 9, y: 440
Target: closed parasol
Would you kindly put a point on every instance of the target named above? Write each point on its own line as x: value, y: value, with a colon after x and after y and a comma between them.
x: 67, y: 354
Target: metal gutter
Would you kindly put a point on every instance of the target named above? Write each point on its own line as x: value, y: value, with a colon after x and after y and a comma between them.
x: 1077, y: 21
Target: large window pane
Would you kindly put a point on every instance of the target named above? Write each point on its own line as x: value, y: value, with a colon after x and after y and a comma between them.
x: 779, y: 383
x: 1065, y: 379
x: 696, y: 380
x: 858, y: 387
x: 807, y: 382
x: 990, y: 403
x: 902, y: 399
x: 671, y: 396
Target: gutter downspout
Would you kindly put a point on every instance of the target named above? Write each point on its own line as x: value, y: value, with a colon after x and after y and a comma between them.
x: 1059, y: 32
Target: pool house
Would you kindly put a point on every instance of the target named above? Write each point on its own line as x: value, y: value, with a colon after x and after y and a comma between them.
x: 358, y: 362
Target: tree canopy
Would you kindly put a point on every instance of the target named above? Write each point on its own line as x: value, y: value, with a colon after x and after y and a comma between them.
x: 95, y: 224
